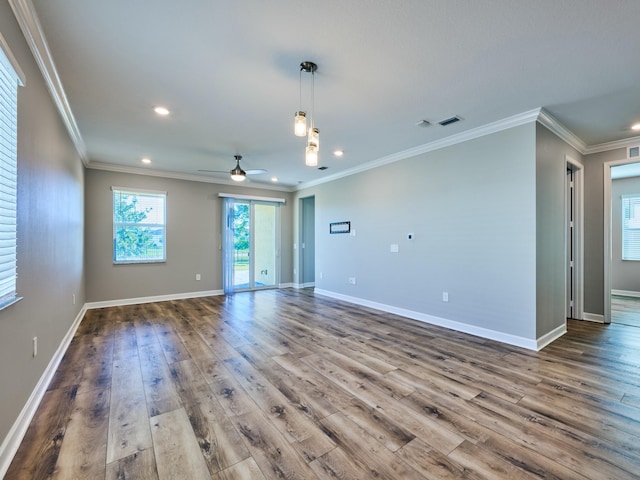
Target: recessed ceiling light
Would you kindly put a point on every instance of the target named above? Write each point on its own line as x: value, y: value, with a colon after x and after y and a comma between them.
x: 146, y: 160
x: 635, y: 127
x: 338, y: 153
x: 160, y: 110
x: 274, y: 179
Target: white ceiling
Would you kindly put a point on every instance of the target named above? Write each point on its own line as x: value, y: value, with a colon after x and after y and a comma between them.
x: 229, y: 72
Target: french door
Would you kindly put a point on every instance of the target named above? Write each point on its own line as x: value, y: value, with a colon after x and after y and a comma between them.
x: 251, y: 245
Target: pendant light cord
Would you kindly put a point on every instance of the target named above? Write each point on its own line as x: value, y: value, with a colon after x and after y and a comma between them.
x: 313, y: 94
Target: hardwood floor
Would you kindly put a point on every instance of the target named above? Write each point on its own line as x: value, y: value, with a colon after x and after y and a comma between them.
x: 285, y: 384
x: 625, y: 310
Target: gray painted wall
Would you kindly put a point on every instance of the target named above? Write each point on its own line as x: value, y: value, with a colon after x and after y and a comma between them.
x: 193, y: 238
x: 594, y: 227
x: 625, y: 275
x: 550, y: 228
x: 50, y: 236
x: 308, y: 240
x: 472, y: 209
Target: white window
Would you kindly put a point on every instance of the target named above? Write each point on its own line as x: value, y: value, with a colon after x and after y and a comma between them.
x: 139, y: 226
x: 631, y: 227
x: 10, y: 78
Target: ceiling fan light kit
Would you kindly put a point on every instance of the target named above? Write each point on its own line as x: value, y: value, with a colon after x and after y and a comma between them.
x: 237, y: 173
x: 300, y: 125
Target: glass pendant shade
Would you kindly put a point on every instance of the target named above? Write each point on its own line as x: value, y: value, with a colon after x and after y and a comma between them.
x: 300, y: 124
x: 314, y: 137
x: 311, y: 155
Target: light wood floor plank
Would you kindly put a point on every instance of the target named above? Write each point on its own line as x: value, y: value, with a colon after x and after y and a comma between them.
x: 220, y: 443
x: 128, y: 421
x: 177, y: 452
x: 83, y: 452
x: 245, y: 470
x: 140, y: 465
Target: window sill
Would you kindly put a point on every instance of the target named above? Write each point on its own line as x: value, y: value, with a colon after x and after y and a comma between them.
x: 9, y: 302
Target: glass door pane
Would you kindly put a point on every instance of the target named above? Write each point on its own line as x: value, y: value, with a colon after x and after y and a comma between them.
x: 241, y: 246
x: 264, y: 245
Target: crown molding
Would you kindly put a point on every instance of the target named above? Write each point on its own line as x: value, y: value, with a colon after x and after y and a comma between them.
x: 605, y: 147
x: 546, y: 119
x: 110, y: 167
x: 494, y: 127
x: 27, y: 18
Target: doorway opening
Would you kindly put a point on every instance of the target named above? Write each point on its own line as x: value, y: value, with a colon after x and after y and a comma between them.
x: 622, y: 242
x: 251, y: 245
x: 574, y: 265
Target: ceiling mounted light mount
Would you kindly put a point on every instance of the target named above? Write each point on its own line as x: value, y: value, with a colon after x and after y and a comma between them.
x: 300, y: 125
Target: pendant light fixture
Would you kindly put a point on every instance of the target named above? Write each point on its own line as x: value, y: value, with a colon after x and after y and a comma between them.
x: 238, y: 174
x: 300, y: 125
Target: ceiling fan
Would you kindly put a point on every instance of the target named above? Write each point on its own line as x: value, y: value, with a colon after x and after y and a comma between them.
x: 238, y: 174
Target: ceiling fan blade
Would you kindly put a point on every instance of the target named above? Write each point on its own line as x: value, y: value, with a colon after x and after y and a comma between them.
x: 256, y: 171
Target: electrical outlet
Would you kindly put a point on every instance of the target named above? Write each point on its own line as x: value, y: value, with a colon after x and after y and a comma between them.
x: 320, y: 275
x: 394, y: 248
x: 352, y: 280
x: 35, y: 346
x: 445, y: 296
x: 73, y: 298
x: 198, y: 276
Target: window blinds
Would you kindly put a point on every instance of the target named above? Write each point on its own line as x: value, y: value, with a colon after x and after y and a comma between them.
x: 9, y: 82
x: 631, y: 227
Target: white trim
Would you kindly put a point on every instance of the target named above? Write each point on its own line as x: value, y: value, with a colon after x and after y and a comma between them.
x: 561, y: 131
x: 625, y: 293
x: 287, y: 285
x: 605, y: 147
x: 28, y: 20
x: 158, y: 298
x: 13, y: 63
x: 442, y: 322
x: 494, y: 127
x: 137, y: 190
x: 552, y: 336
x: 19, y: 428
x: 593, y: 317
x: 607, y: 227
x: 184, y: 176
x: 252, y: 197
x: 578, y: 224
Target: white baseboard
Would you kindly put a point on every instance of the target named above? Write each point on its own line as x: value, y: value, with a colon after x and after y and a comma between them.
x: 157, y: 298
x: 625, y: 293
x: 553, y: 335
x: 593, y: 317
x: 19, y: 428
x: 450, y: 324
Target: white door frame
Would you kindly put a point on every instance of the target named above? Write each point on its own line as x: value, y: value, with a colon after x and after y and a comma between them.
x: 607, y: 232
x: 578, y: 234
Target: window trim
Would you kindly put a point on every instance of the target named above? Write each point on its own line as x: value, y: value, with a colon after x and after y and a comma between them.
x: 115, y: 225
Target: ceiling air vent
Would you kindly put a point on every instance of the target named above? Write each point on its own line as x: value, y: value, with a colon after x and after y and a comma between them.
x: 449, y: 121
x: 633, y: 152
x: 322, y: 168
